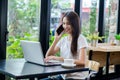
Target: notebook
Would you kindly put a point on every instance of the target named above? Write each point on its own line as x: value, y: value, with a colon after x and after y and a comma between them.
x: 33, y: 53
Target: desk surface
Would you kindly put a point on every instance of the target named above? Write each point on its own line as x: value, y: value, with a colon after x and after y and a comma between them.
x: 19, y: 69
x: 104, y: 47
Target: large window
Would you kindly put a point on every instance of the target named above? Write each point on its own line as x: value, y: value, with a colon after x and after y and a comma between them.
x: 23, y: 24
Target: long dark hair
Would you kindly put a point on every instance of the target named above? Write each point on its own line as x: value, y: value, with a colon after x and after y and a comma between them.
x: 74, y: 21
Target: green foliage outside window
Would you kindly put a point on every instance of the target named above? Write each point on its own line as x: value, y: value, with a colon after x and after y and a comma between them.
x: 23, y: 21
x: 93, y: 17
x: 89, y: 27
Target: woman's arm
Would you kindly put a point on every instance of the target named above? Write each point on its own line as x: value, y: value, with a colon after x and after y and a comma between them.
x: 54, y: 49
x: 51, y: 52
x: 82, y: 57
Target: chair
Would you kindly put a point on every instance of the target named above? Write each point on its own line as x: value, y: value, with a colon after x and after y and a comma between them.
x: 93, y: 68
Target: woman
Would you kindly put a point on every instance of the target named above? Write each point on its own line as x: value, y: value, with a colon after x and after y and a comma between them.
x: 72, y: 46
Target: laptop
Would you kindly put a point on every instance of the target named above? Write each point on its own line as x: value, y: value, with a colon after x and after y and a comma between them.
x: 33, y: 53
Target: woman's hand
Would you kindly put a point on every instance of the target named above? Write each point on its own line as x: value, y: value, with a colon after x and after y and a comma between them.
x: 57, y: 37
x: 53, y: 58
x: 50, y: 58
x: 59, y: 32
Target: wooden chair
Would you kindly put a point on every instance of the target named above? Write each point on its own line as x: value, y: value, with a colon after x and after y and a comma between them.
x: 93, y: 68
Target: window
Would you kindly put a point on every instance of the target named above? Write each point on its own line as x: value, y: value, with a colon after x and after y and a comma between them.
x: 89, y: 16
x: 111, y: 19
x: 23, y: 24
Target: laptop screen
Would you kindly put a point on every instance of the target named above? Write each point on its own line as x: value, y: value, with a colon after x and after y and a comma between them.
x: 33, y: 52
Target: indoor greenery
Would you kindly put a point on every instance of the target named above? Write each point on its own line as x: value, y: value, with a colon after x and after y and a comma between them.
x: 117, y: 36
x: 94, y: 36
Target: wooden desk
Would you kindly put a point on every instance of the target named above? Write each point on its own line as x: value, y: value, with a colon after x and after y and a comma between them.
x: 19, y: 69
x: 106, y: 54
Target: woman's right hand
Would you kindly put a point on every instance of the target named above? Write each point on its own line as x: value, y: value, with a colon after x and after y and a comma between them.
x: 50, y: 58
x: 57, y: 37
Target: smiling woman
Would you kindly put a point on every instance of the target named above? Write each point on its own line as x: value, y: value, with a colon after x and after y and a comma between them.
x: 72, y: 46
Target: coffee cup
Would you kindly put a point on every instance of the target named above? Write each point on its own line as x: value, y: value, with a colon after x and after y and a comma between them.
x: 69, y: 61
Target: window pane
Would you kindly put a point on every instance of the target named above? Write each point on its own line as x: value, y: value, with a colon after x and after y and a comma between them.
x: 89, y: 16
x: 111, y: 19
x: 23, y: 24
x: 58, y: 8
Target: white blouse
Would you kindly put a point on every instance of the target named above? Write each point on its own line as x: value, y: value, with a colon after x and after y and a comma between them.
x: 64, y: 44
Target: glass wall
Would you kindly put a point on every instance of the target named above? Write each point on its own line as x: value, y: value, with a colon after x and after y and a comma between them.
x: 24, y: 19
x: 111, y: 9
x: 23, y: 24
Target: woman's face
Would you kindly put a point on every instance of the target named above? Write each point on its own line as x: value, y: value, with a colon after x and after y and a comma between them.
x: 67, y: 26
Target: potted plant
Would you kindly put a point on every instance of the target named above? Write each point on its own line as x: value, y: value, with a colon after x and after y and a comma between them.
x: 117, y: 37
x: 94, y: 37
